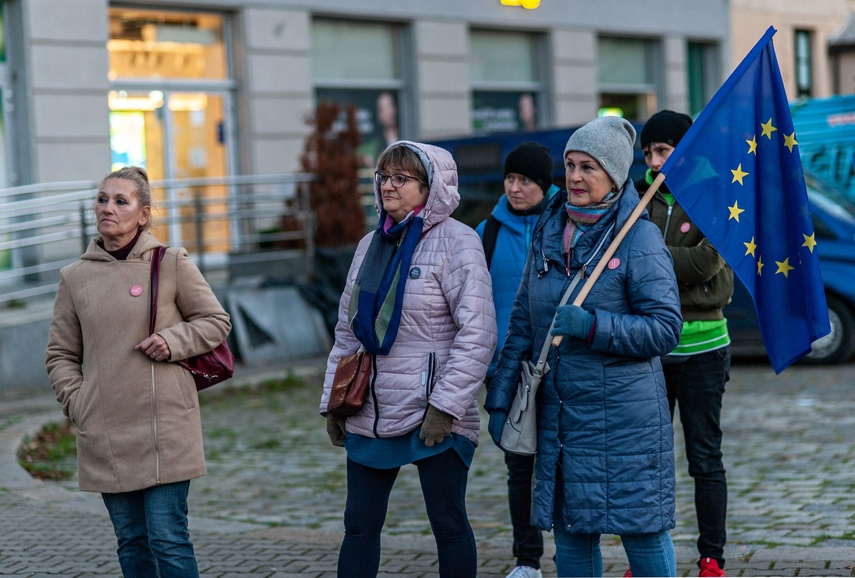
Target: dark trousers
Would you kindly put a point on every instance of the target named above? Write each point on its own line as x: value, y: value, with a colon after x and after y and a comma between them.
x: 528, y: 541
x: 696, y: 386
x: 443, y: 479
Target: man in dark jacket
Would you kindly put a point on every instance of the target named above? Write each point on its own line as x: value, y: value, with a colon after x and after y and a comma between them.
x: 697, y: 370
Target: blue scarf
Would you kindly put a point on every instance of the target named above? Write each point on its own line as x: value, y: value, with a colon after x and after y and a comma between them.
x: 374, y: 311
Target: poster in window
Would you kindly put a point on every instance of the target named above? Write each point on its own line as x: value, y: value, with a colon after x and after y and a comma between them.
x: 511, y: 111
x: 376, y: 117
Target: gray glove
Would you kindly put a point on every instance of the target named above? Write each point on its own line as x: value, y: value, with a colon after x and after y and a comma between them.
x: 436, y: 426
x: 336, y: 430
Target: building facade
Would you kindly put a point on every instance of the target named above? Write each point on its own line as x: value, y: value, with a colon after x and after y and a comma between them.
x: 813, y: 42
x: 212, y: 87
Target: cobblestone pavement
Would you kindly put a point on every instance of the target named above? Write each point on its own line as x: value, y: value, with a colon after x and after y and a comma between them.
x: 271, y: 504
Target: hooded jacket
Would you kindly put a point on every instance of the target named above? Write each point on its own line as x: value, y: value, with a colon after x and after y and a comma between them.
x: 138, y: 422
x: 602, y: 409
x: 447, y: 332
x: 509, y: 255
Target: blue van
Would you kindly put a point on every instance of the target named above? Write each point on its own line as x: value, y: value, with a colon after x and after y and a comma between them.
x: 825, y: 128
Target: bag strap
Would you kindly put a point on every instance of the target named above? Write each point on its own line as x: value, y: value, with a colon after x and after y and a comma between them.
x: 544, y: 351
x: 491, y: 233
x: 156, y: 257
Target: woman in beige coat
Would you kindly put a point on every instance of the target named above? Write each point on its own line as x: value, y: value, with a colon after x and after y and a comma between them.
x: 139, y: 434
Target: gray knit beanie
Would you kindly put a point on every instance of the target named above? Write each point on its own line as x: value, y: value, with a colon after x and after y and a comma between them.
x: 609, y: 140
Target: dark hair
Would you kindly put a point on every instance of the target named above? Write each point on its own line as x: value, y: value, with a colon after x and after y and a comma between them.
x: 403, y: 157
x: 142, y: 188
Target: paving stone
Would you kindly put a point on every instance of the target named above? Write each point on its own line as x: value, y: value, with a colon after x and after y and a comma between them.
x: 272, y: 502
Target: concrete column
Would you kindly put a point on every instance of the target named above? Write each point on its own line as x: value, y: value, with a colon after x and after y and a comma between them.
x: 676, y: 89
x: 274, y: 72
x: 574, y: 76
x: 66, y: 78
x: 443, y: 104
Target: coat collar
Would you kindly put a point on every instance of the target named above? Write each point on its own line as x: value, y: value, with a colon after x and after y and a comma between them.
x: 146, y: 242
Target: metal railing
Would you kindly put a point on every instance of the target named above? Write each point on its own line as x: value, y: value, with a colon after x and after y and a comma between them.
x: 220, y: 221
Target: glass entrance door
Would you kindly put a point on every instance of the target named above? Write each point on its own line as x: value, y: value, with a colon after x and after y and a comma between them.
x: 169, y: 112
x: 176, y: 135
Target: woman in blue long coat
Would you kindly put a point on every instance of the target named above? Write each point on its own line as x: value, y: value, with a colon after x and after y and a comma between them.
x: 605, y: 457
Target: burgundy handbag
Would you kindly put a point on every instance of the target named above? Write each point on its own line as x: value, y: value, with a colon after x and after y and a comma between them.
x: 350, y: 384
x: 208, y: 368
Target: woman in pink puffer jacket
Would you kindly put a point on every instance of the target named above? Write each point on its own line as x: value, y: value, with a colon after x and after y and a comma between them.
x: 418, y: 297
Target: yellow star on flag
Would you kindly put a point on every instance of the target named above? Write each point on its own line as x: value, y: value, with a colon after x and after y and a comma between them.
x: 738, y: 174
x: 790, y: 141
x: 734, y: 211
x: 750, y: 247
x: 752, y: 145
x: 810, y: 242
x: 760, y: 265
x: 784, y: 267
x: 768, y: 129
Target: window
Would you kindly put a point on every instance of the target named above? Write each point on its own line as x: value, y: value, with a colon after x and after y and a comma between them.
x: 804, y: 72
x: 361, y: 63
x: 506, y: 81
x: 702, y: 74
x: 629, y: 81
x: 162, y: 44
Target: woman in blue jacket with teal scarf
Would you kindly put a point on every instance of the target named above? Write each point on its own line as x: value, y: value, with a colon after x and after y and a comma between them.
x: 507, y: 237
x: 605, y: 457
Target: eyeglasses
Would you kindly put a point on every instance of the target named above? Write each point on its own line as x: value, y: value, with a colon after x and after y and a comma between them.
x: 398, y: 181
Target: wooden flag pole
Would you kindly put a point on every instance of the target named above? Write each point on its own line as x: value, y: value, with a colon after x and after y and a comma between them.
x: 610, y: 250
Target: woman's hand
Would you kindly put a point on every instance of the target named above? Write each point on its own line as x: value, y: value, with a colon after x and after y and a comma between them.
x: 496, y: 425
x: 336, y: 429
x: 155, y: 347
x: 573, y: 321
x: 436, y: 426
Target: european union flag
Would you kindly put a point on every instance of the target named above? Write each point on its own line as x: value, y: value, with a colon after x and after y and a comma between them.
x: 738, y: 175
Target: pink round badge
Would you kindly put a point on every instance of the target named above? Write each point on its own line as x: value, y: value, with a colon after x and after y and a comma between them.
x: 685, y: 227
x: 614, y: 263
x: 136, y: 290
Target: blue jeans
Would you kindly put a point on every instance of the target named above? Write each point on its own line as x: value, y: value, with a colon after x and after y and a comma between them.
x: 528, y: 540
x: 443, y: 479
x: 648, y: 554
x: 151, y: 528
x: 696, y: 386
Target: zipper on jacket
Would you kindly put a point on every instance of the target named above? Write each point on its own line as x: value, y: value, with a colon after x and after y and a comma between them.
x: 154, y: 426
x: 667, y: 221
x: 431, y: 375
x: 374, y: 394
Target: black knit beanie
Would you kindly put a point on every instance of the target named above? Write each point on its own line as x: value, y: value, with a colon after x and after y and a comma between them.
x: 531, y: 160
x: 666, y: 126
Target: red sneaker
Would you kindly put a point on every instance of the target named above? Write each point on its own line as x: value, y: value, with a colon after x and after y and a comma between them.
x: 628, y: 573
x: 709, y: 567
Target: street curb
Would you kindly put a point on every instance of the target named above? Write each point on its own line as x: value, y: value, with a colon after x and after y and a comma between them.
x: 12, y: 475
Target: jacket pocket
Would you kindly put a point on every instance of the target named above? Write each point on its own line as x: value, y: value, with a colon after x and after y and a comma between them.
x: 77, y: 406
x: 428, y: 378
